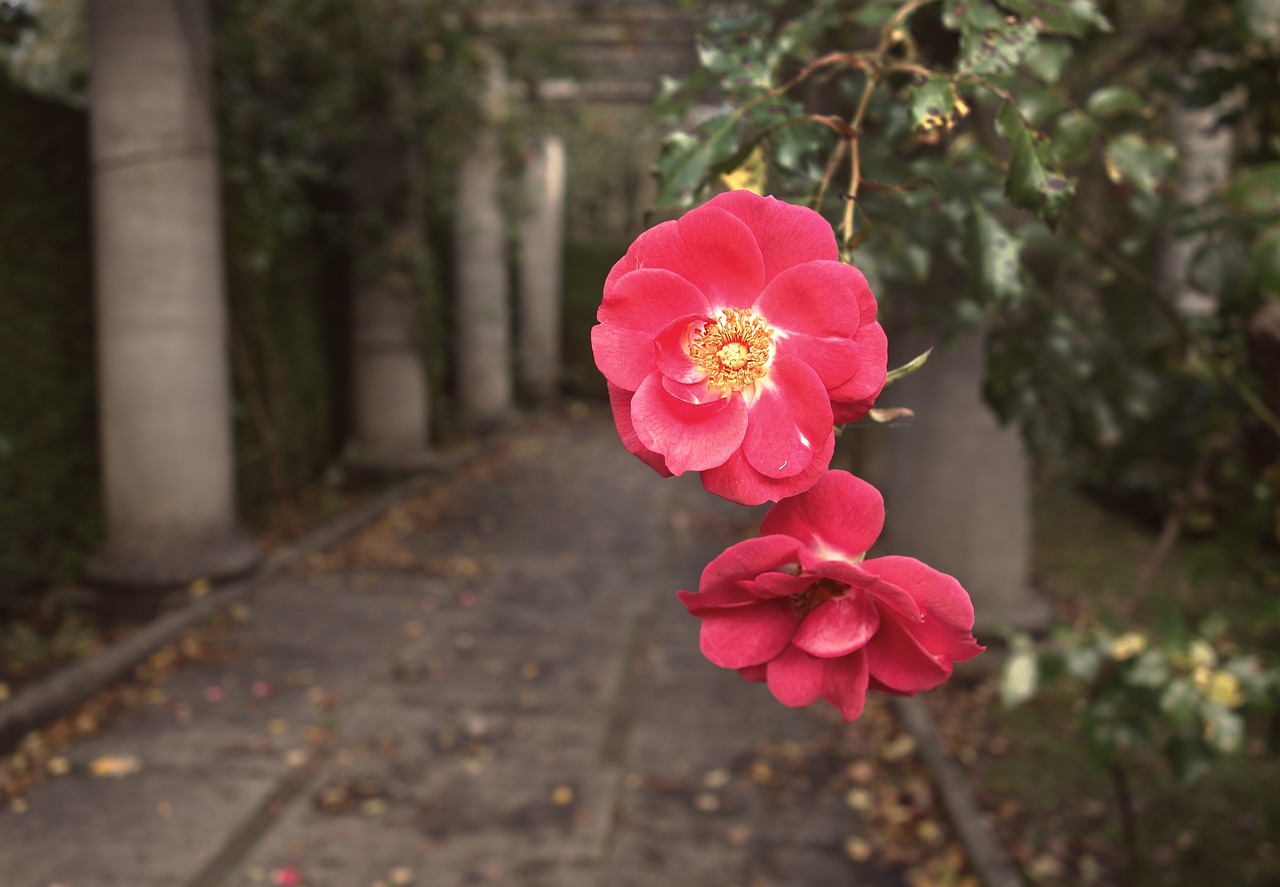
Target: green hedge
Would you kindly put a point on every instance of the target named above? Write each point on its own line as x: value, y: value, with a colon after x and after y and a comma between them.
x: 289, y: 353
x: 49, y: 505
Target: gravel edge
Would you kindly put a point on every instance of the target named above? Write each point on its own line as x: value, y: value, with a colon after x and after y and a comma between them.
x: 986, y: 854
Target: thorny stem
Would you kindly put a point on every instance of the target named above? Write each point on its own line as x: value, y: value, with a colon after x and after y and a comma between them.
x: 893, y: 24
x: 855, y: 162
x: 876, y: 66
x: 827, y: 174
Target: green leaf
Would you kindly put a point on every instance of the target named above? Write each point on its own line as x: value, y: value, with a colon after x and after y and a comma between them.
x: 1264, y: 260
x: 1255, y: 190
x: 687, y: 160
x: 1083, y: 662
x: 1223, y: 729
x: 669, y: 95
x: 1032, y: 182
x: 996, y: 50
x: 974, y: 14
x: 1150, y: 670
x: 994, y: 258
x: 933, y: 104
x: 1181, y: 703
x: 1021, y: 673
x: 1072, y: 17
x: 1110, y: 101
x: 1041, y: 105
x: 1221, y: 266
x: 1073, y: 137
x: 1187, y: 758
x: 907, y: 368
x: 1047, y: 58
x: 1133, y: 160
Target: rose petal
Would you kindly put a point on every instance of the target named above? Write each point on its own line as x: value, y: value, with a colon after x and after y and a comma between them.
x: 620, y: 403
x: 867, y: 307
x: 624, y: 357
x: 885, y: 593
x: 747, y: 560
x: 747, y: 635
x: 690, y: 437
x: 672, y: 351
x: 781, y: 584
x: 838, y: 626
x: 852, y: 398
x: 817, y: 299
x: 788, y: 234
x: 724, y: 597
x: 695, y: 393
x: 899, y: 661
x: 839, y: 518
x: 710, y: 248
x: 845, y: 684
x: 737, y: 481
x: 789, y: 418
x: 835, y: 360
x: 947, y: 627
x: 648, y: 299
x: 795, y: 678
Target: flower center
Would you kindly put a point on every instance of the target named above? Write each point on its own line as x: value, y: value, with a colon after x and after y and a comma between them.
x: 734, y: 350
x: 819, y: 592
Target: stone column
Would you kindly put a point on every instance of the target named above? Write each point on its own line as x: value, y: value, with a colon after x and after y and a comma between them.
x: 166, y: 436
x: 390, y: 391
x: 956, y: 484
x: 1205, y: 146
x: 485, y: 385
x: 542, y: 270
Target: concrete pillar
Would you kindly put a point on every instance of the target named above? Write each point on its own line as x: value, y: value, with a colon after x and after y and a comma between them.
x: 956, y: 484
x: 542, y: 270
x: 390, y: 391
x: 1205, y: 148
x: 485, y: 384
x: 166, y: 437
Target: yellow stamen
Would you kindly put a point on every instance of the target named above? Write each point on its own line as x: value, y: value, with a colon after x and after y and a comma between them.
x: 734, y: 350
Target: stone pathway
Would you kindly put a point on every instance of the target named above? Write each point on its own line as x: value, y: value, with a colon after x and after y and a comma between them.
x: 493, y: 684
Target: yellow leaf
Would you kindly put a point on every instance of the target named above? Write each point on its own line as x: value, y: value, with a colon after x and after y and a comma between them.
x: 752, y: 175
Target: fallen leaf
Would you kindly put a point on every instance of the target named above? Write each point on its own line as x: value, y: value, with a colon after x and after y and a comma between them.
x: 115, y: 766
x: 857, y: 849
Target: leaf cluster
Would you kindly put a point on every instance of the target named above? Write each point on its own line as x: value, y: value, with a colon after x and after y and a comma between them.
x: 301, y: 83
x: 1025, y: 147
x: 1188, y: 694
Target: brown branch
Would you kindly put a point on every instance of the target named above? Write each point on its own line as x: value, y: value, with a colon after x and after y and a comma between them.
x: 855, y: 160
x: 1174, y: 523
x: 833, y: 162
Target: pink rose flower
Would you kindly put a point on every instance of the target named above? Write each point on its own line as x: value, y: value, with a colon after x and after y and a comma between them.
x: 732, y: 340
x: 800, y: 609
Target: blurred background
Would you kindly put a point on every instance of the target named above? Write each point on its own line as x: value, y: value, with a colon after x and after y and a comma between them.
x: 256, y: 258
